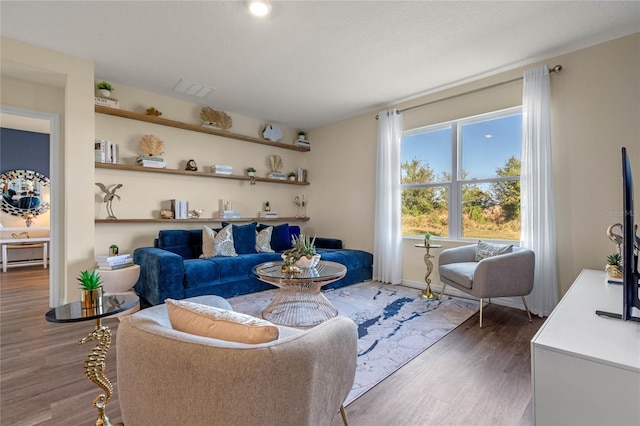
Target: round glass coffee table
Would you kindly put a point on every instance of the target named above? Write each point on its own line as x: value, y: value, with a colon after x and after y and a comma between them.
x: 299, y: 302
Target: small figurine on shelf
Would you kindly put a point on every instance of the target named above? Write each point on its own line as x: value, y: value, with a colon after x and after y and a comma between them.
x: 192, y: 166
x: 153, y: 112
x: 251, y: 172
x: 267, y: 207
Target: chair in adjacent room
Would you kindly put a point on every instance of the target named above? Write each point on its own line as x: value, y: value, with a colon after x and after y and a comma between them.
x: 500, y: 275
x: 166, y: 376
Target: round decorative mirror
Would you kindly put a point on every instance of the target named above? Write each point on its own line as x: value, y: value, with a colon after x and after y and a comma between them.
x: 24, y: 191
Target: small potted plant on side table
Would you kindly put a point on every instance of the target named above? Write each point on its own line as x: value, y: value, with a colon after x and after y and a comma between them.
x: 91, y: 286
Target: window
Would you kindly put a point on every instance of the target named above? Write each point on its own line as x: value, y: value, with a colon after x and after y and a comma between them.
x: 461, y: 179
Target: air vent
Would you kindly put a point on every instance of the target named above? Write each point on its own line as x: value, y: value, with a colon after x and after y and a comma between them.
x: 191, y: 88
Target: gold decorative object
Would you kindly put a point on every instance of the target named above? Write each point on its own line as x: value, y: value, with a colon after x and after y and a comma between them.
x: 166, y: 214
x: 151, y: 145
x: 94, y: 367
x: 215, y: 118
x: 91, y: 299
x: 275, y: 162
x: 428, y: 294
x: 153, y: 112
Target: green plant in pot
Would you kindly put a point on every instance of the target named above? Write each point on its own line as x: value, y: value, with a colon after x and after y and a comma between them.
x: 251, y: 171
x: 91, y: 286
x: 303, y: 253
x: 291, y: 176
x: 614, y: 265
x: 105, y: 88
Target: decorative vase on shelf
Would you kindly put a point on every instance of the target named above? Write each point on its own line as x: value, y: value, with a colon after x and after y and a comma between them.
x: 104, y: 93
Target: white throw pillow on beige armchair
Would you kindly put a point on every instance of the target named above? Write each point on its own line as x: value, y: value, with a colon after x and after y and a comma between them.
x: 169, y: 377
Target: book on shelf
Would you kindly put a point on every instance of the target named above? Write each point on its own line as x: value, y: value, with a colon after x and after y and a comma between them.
x: 303, y: 143
x: 302, y: 174
x: 227, y: 214
x: 107, y: 102
x: 180, y: 209
x: 267, y: 215
x: 112, y: 258
x: 106, y: 151
x: 221, y: 169
x: 277, y: 175
x: 155, y: 162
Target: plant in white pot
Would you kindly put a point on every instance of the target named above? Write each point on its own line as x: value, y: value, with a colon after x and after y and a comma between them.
x: 251, y: 171
x: 291, y: 176
x: 303, y: 254
x: 105, y: 89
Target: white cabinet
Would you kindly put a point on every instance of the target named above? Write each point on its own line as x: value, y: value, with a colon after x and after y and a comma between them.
x: 585, y: 368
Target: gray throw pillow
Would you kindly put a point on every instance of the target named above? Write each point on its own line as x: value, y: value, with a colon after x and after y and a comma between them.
x: 484, y: 250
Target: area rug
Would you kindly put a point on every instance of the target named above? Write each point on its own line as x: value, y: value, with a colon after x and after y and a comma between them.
x: 394, y: 324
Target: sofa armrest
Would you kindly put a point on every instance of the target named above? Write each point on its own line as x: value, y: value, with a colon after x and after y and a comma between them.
x: 328, y: 243
x: 458, y: 255
x: 161, y: 275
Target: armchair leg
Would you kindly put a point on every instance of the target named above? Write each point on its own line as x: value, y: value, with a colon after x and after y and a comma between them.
x: 526, y: 308
x: 481, y: 312
x: 344, y: 416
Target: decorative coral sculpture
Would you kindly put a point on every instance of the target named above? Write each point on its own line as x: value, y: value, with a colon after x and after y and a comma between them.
x: 216, y: 118
x: 151, y: 145
x: 152, y: 111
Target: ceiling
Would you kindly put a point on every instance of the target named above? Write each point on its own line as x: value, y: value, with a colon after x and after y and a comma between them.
x: 311, y: 63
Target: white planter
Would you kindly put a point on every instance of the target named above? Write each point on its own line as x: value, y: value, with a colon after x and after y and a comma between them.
x: 251, y: 173
x: 306, y: 263
x: 104, y: 93
x: 293, y: 178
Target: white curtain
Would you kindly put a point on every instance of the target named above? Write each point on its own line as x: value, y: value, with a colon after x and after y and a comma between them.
x: 387, y: 242
x: 537, y: 207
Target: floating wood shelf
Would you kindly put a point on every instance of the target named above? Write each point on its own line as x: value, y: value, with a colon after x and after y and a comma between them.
x: 193, y: 127
x: 190, y: 173
x: 207, y: 220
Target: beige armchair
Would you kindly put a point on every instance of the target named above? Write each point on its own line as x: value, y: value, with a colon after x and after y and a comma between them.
x: 505, y: 275
x: 173, y: 378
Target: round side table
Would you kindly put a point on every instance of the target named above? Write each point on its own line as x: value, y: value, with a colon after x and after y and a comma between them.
x: 95, y: 365
x: 428, y: 294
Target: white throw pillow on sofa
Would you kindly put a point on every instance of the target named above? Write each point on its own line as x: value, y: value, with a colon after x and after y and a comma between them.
x: 263, y: 240
x: 217, y: 323
x: 217, y: 243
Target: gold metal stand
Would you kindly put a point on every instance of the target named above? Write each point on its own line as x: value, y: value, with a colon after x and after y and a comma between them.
x: 94, y: 367
x: 428, y: 294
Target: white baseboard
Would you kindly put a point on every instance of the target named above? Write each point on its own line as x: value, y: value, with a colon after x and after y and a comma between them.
x: 511, y: 302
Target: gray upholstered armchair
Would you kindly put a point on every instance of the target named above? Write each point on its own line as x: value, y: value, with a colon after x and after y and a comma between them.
x: 167, y: 377
x: 504, y: 275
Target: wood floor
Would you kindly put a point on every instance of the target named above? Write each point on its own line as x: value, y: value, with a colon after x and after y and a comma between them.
x: 470, y: 377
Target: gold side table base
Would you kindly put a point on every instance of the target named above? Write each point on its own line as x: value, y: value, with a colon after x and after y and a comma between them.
x: 427, y: 293
x: 94, y: 367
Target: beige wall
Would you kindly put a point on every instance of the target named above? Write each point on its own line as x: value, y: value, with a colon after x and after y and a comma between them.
x: 74, y: 243
x: 595, y: 102
x: 144, y: 194
x: 595, y: 111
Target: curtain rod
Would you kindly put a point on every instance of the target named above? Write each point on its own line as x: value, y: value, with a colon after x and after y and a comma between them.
x: 557, y: 68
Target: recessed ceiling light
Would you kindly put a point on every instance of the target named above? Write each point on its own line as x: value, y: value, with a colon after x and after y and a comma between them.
x: 259, y: 8
x: 191, y: 88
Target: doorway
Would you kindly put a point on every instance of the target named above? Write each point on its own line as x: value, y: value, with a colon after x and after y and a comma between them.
x: 39, y: 121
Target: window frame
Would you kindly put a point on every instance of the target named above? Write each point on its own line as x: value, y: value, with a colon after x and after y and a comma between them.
x: 454, y: 187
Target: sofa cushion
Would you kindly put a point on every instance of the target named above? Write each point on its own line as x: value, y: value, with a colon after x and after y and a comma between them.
x: 204, y: 272
x: 184, y: 242
x: 461, y: 273
x: 217, y: 243
x: 263, y: 240
x: 244, y: 238
x: 485, y: 250
x: 217, y: 323
x: 280, y: 239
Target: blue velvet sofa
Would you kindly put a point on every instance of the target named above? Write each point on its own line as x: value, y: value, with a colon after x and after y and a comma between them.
x: 173, y: 269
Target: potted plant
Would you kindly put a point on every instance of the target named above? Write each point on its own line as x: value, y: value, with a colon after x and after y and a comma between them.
x: 303, y: 254
x: 291, y: 176
x: 614, y: 265
x: 91, y: 286
x: 301, y: 135
x: 105, y: 89
x: 427, y: 239
x: 251, y: 171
